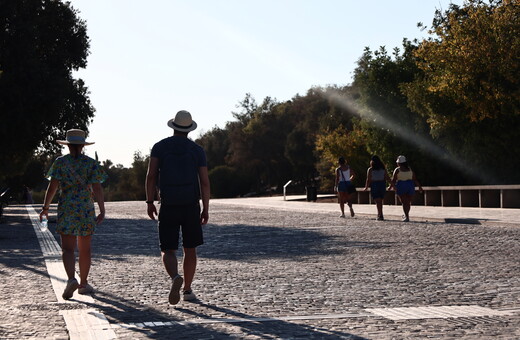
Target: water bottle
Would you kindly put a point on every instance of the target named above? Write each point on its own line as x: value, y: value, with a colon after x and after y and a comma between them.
x: 44, y: 222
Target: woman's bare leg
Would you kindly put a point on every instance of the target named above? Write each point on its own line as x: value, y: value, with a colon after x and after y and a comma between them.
x: 379, y: 205
x: 68, y: 256
x: 341, y: 202
x: 85, y: 258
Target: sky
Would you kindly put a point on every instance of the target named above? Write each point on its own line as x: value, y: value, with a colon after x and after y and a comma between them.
x: 150, y: 59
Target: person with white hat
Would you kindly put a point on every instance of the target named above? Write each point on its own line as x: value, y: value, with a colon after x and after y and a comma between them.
x: 78, y: 177
x: 404, y: 182
x: 178, y: 165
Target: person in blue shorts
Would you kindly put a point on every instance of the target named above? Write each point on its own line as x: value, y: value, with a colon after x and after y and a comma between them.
x: 404, y: 182
x: 344, y: 187
x: 376, y: 181
x: 178, y: 165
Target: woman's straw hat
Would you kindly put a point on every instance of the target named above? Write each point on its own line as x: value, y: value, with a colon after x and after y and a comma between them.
x: 75, y: 136
x: 182, y: 122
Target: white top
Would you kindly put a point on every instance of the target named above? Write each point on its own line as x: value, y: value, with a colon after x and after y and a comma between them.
x: 346, y: 175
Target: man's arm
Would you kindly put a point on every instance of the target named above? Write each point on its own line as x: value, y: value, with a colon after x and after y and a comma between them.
x: 205, y: 193
x: 151, y: 185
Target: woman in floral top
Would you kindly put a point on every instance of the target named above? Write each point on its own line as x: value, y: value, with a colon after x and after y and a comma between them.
x: 79, y: 178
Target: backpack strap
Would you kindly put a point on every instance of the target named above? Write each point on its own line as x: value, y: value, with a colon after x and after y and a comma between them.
x: 78, y: 178
x: 341, y: 172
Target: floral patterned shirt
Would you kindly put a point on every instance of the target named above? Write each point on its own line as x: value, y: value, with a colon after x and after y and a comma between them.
x: 76, y: 215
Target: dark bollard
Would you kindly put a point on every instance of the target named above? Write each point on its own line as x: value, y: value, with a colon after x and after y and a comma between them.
x: 312, y: 193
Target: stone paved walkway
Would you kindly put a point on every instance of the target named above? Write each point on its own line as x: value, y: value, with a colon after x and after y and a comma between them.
x: 274, y: 272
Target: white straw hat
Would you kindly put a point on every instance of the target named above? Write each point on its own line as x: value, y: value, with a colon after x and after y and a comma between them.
x: 75, y: 136
x: 182, y: 122
x: 401, y: 159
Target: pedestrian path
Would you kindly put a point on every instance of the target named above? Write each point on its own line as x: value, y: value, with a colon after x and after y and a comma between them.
x: 274, y: 269
x: 394, y: 212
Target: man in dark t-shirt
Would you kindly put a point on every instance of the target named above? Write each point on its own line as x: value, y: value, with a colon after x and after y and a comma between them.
x: 178, y: 166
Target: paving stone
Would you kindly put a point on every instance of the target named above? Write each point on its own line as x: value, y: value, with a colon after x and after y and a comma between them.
x: 294, y: 273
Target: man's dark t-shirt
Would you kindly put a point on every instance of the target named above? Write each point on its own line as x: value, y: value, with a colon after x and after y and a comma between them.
x: 179, y: 160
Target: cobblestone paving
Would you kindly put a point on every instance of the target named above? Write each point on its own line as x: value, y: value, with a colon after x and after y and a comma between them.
x: 314, y: 275
x: 28, y: 308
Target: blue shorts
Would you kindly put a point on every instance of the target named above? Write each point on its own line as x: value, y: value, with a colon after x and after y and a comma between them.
x: 378, y: 189
x: 405, y: 187
x: 173, y: 219
x: 346, y: 186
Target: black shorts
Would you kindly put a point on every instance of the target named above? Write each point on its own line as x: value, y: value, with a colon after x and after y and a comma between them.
x: 174, y: 217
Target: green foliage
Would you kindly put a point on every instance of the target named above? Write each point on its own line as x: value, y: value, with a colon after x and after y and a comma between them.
x: 257, y: 144
x: 32, y: 178
x: 449, y: 103
x: 216, y: 144
x: 299, y: 152
x: 468, y: 88
x: 389, y: 126
x: 473, y: 62
x: 41, y: 43
x: 341, y: 143
x: 126, y: 184
x: 228, y: 182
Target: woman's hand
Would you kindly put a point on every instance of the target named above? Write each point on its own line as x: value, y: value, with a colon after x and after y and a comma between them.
x: 44, y: 212
x: 100, y: 217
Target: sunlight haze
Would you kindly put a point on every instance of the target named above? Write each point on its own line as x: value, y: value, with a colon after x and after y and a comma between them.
x: 151, y: 59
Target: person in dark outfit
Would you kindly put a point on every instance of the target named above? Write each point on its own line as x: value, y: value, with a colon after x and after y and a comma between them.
x: 178, y: 166
x: 376, y: 181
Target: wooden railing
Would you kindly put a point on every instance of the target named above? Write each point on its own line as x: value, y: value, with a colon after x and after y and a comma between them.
x: 482, y: 196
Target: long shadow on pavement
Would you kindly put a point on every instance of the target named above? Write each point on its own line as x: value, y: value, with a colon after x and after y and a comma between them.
x: 121, y: 311
x: 19, y: 246
x: 118, y: 238
x: 244, y: 242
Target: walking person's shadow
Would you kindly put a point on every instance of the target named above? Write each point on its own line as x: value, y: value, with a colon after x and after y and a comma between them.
x: 266, y: 327
x: 121, y: 311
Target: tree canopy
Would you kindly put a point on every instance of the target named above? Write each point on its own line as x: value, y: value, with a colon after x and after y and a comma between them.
x: 469, y: 89
x: 41, y: 43
x: 450, y: 103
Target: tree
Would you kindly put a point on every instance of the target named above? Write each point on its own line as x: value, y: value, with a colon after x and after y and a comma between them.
x: 341, y: 143
x: 228, y: 182
x: 216, y: 145
x: 257, y: 143
x: 388, y: 125
x: 138, y: 175
x: 41, y: 43
x: 474, y: 60
x: 469, y: 89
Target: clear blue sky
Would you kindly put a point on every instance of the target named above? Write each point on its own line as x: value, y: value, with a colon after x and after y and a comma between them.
x: 150, y: 59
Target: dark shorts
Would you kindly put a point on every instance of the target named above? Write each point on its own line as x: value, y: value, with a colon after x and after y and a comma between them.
x: 346, y: 186
x: 405, y: 187
x: 378, y: 189
x: 172, y: 219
